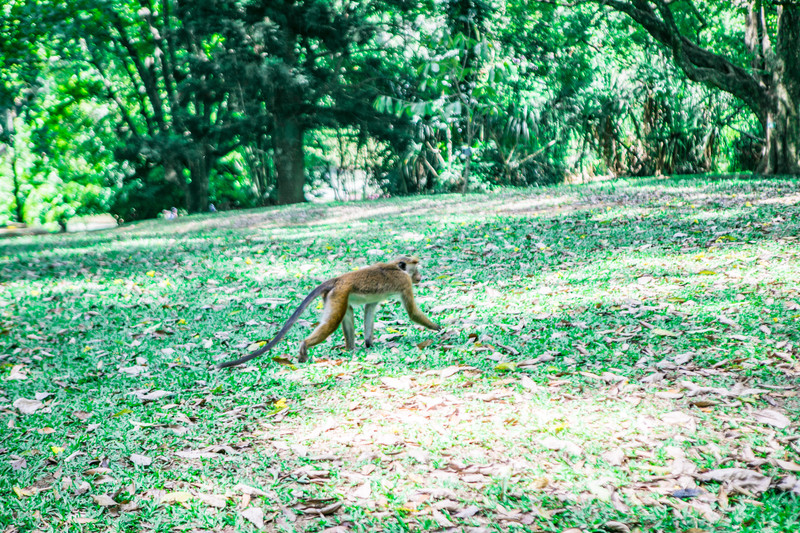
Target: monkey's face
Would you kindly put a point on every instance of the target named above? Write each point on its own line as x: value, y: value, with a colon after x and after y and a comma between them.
x: 410, y: 265
x: 414, y: 272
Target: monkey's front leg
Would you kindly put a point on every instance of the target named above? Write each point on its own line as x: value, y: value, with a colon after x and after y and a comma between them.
x: 349, y: 329
x: 369, y: 323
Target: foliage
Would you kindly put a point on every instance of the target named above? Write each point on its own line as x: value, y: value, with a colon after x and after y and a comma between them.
x: 604, y: 347
x: 239, y: 102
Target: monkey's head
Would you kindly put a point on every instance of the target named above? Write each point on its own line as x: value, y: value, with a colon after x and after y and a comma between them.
x: 410, y: 265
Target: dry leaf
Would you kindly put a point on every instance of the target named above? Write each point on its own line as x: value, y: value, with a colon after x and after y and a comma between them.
x: 151, y: 396
x: 791, y: 466
x: 614, y: 457
x: 363, y: 491
x: 738, y: 479
x: 254, y: 515
x: 403, y: 383
x: 772, y: 418
x: 213, y: 500
x: 664, y: 333
x: 247, y: 489
x: 177, y: 496
x: 141, y: 460
x: 556, y: 444
x: 104, y: 500
x: 468, y: 512
x: 133, y: 370
x: 26, y: 406
x: 18, y: 373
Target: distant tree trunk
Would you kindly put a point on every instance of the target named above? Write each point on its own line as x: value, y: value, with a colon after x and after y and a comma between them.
x: 287, y: 139
x: 19, y: 201
x: 197, y: 192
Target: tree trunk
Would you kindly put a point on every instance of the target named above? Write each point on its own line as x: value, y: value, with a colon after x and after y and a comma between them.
x: 781, y: 118
x: 287, y: 139
x: 197, y: 193
x: 19, y: 201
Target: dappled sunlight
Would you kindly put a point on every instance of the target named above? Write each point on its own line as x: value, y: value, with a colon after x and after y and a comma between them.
x: 599, y: 348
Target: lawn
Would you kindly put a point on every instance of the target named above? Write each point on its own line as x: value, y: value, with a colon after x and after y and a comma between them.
x: 620, y: 356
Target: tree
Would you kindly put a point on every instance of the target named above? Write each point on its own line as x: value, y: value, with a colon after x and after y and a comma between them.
x: 153, y: 62
x: 294, y: 57
x: 769, y: 85
x: 20, y: 82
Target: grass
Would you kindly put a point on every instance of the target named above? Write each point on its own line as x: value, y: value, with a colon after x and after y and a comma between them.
x: 563, y: 392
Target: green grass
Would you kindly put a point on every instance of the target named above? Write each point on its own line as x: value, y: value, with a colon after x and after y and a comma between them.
x: 579, y: 321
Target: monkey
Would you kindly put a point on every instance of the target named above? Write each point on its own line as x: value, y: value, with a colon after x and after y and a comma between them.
x: 367, y: 286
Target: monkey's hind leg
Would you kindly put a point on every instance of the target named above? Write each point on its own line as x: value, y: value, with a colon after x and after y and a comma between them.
x: 332, y: 315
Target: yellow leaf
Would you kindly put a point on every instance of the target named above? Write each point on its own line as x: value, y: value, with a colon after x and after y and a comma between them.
x: 664, y: 332
x: 391, y: 330
x: 506, y: 367
x: 177, y: 496
x: 748, y: 204
x: 255, y: 346
x: 707, y: 272
x: 120, y: 413
x: 676, y: 300
x: 56, y: 449
x: 281, y: 404
x: 21, y: 493
x: 248, y: 261
x: 35, y: 292
x: 181, y: 321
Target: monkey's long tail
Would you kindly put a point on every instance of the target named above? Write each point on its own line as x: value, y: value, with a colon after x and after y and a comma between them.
x: 285, y: 329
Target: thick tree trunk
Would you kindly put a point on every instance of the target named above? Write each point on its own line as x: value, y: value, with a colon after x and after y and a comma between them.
x: 781, y: 119
x: 197, y: 193
x: 287, y: 139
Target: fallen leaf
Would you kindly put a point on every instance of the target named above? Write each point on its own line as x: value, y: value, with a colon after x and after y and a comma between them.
x: 213, y: 500
x: 791, y: 466
x: 738, y: 479
x: 556, y: 444
x: 403, y: 383
x: 363, y: 491
x: 26, y: 406
x: 468, y: 512
x: 247, y: 489
x: 151, y: 396
x: 104, y: 500
x: 772, y: 418
x: 254, y: 515
x: 22, y: 493
x: 613, y: 526
x: 18, y: 373
x: 664, y: 332
x: 133, y: 370
x: 141, y: 460
x: 176, y: 497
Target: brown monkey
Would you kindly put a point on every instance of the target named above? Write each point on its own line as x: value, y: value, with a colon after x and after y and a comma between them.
x: 368, y: 287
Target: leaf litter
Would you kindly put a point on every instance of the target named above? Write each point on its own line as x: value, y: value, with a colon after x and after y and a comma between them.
x: 540, y: 400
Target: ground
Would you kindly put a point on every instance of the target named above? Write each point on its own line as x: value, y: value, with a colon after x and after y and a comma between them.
x: 615, y: 357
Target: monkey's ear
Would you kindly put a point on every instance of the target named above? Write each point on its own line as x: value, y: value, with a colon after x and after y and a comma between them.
x: 401, y: 265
